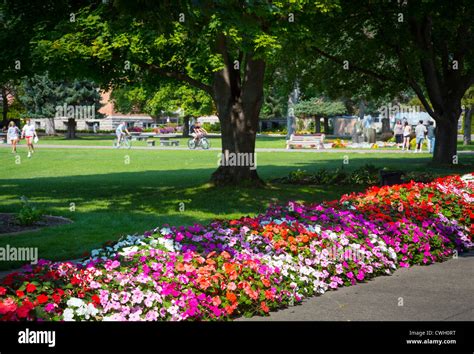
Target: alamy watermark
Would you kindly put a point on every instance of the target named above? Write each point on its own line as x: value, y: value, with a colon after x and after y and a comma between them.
x: 237, y: 159
x: 345, y: 254
x: 23, y: 254
x: 75, y: 111
x: 390, y: 110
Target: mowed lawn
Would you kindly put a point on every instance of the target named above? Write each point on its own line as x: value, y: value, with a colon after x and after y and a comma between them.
x: 108, y: 140
x: 120, y: 192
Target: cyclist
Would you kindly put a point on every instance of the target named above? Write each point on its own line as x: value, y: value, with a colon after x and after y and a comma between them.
x: 120, y: 132
x: 197, y: 132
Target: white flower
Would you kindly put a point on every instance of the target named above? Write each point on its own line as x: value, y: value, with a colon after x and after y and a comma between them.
x: 68, y: 315
x: 75, y: 302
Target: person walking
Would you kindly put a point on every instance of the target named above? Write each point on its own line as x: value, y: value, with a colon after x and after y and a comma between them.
x: 29, y: 132
x: 13, y: 135
x: 406, y: 136
x: 398, y: 132
x: 420, y: 132
x: 431, y: 136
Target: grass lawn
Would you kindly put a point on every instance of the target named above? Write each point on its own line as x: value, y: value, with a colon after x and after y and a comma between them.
x: 107, y: 140
x: 113, y: 198
x: 277, y: 142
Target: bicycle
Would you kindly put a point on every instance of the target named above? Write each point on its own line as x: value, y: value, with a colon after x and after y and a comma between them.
x: 202, y: 142
x: 125, y: 142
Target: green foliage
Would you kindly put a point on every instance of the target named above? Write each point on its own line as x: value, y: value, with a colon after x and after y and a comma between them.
x: 166, y: 98
x: 320, y: 107
x: 172, y: 96
x: 41, y: 95
x: 129, y: 99
x: 212, y: 128
x: 366, y: 175
x: 28, y: 214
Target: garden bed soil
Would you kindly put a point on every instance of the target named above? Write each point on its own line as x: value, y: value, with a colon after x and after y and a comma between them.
x: 9, y: 224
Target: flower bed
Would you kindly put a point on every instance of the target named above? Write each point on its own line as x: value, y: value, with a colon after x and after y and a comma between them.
x: 251, y: 265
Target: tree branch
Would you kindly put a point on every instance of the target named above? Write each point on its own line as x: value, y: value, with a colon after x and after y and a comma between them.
x: 353, y: 67
x: 181, y: 77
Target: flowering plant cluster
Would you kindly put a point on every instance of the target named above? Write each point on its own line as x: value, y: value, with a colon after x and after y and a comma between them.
x: 251, y: 265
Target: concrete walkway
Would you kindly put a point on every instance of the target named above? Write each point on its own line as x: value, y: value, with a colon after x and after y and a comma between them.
x: 439, y: 292
x: 359, y: 151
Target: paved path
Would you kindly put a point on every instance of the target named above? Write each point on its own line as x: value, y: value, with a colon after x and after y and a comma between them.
x: 439, y: 292
x: 359, y: 151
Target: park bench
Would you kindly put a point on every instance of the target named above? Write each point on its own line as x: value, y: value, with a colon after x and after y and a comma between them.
x: 150, y: 142
x: 168, y: 142
x: 311, y: 141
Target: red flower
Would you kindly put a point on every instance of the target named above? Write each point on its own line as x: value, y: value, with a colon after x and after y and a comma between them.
x: 56, y: 298
x: 24, y: 309
x: 30, y: 288
x: 264, y: 307
x: 8, y: 305
x: 42, y: 298
x: 96, y: 299
x: 20, y: 293
x: 3, y: 291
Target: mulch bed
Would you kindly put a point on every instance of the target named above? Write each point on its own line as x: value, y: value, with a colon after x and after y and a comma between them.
x: 9, y: 224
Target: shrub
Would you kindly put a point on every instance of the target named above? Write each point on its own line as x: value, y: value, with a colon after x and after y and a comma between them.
x: 28, y: 214
x: 212, y: 128
x: 387, y: 136
x: 367, y: 175
x: 424, y: 145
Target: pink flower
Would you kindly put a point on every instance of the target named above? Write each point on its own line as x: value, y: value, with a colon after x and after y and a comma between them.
x: 49, y: 307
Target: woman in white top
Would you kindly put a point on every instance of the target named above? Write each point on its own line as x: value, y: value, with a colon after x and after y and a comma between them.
x: 13, y: 135
x: 406, y: 136
x: 29, y: 133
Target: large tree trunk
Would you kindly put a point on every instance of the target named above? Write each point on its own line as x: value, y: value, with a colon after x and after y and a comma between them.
x: 71, y: 128
x: 238, y: 106
x: 467, y: 125
x: 446, y: 139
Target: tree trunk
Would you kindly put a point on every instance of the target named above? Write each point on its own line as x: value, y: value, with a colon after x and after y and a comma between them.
x: 4, y: 107
x: 50, y: 128
x: 238, y: 106
x: 446, y: 142
x: 326, y: 125
x: 385, y: 125
x: 467, y: 125
x: 71, y: 128
x: 361, y: 109
x: 186, y: 127
x: 317, y: 124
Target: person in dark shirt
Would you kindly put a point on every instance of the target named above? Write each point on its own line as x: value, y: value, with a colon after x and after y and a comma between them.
x: 430, y: 135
